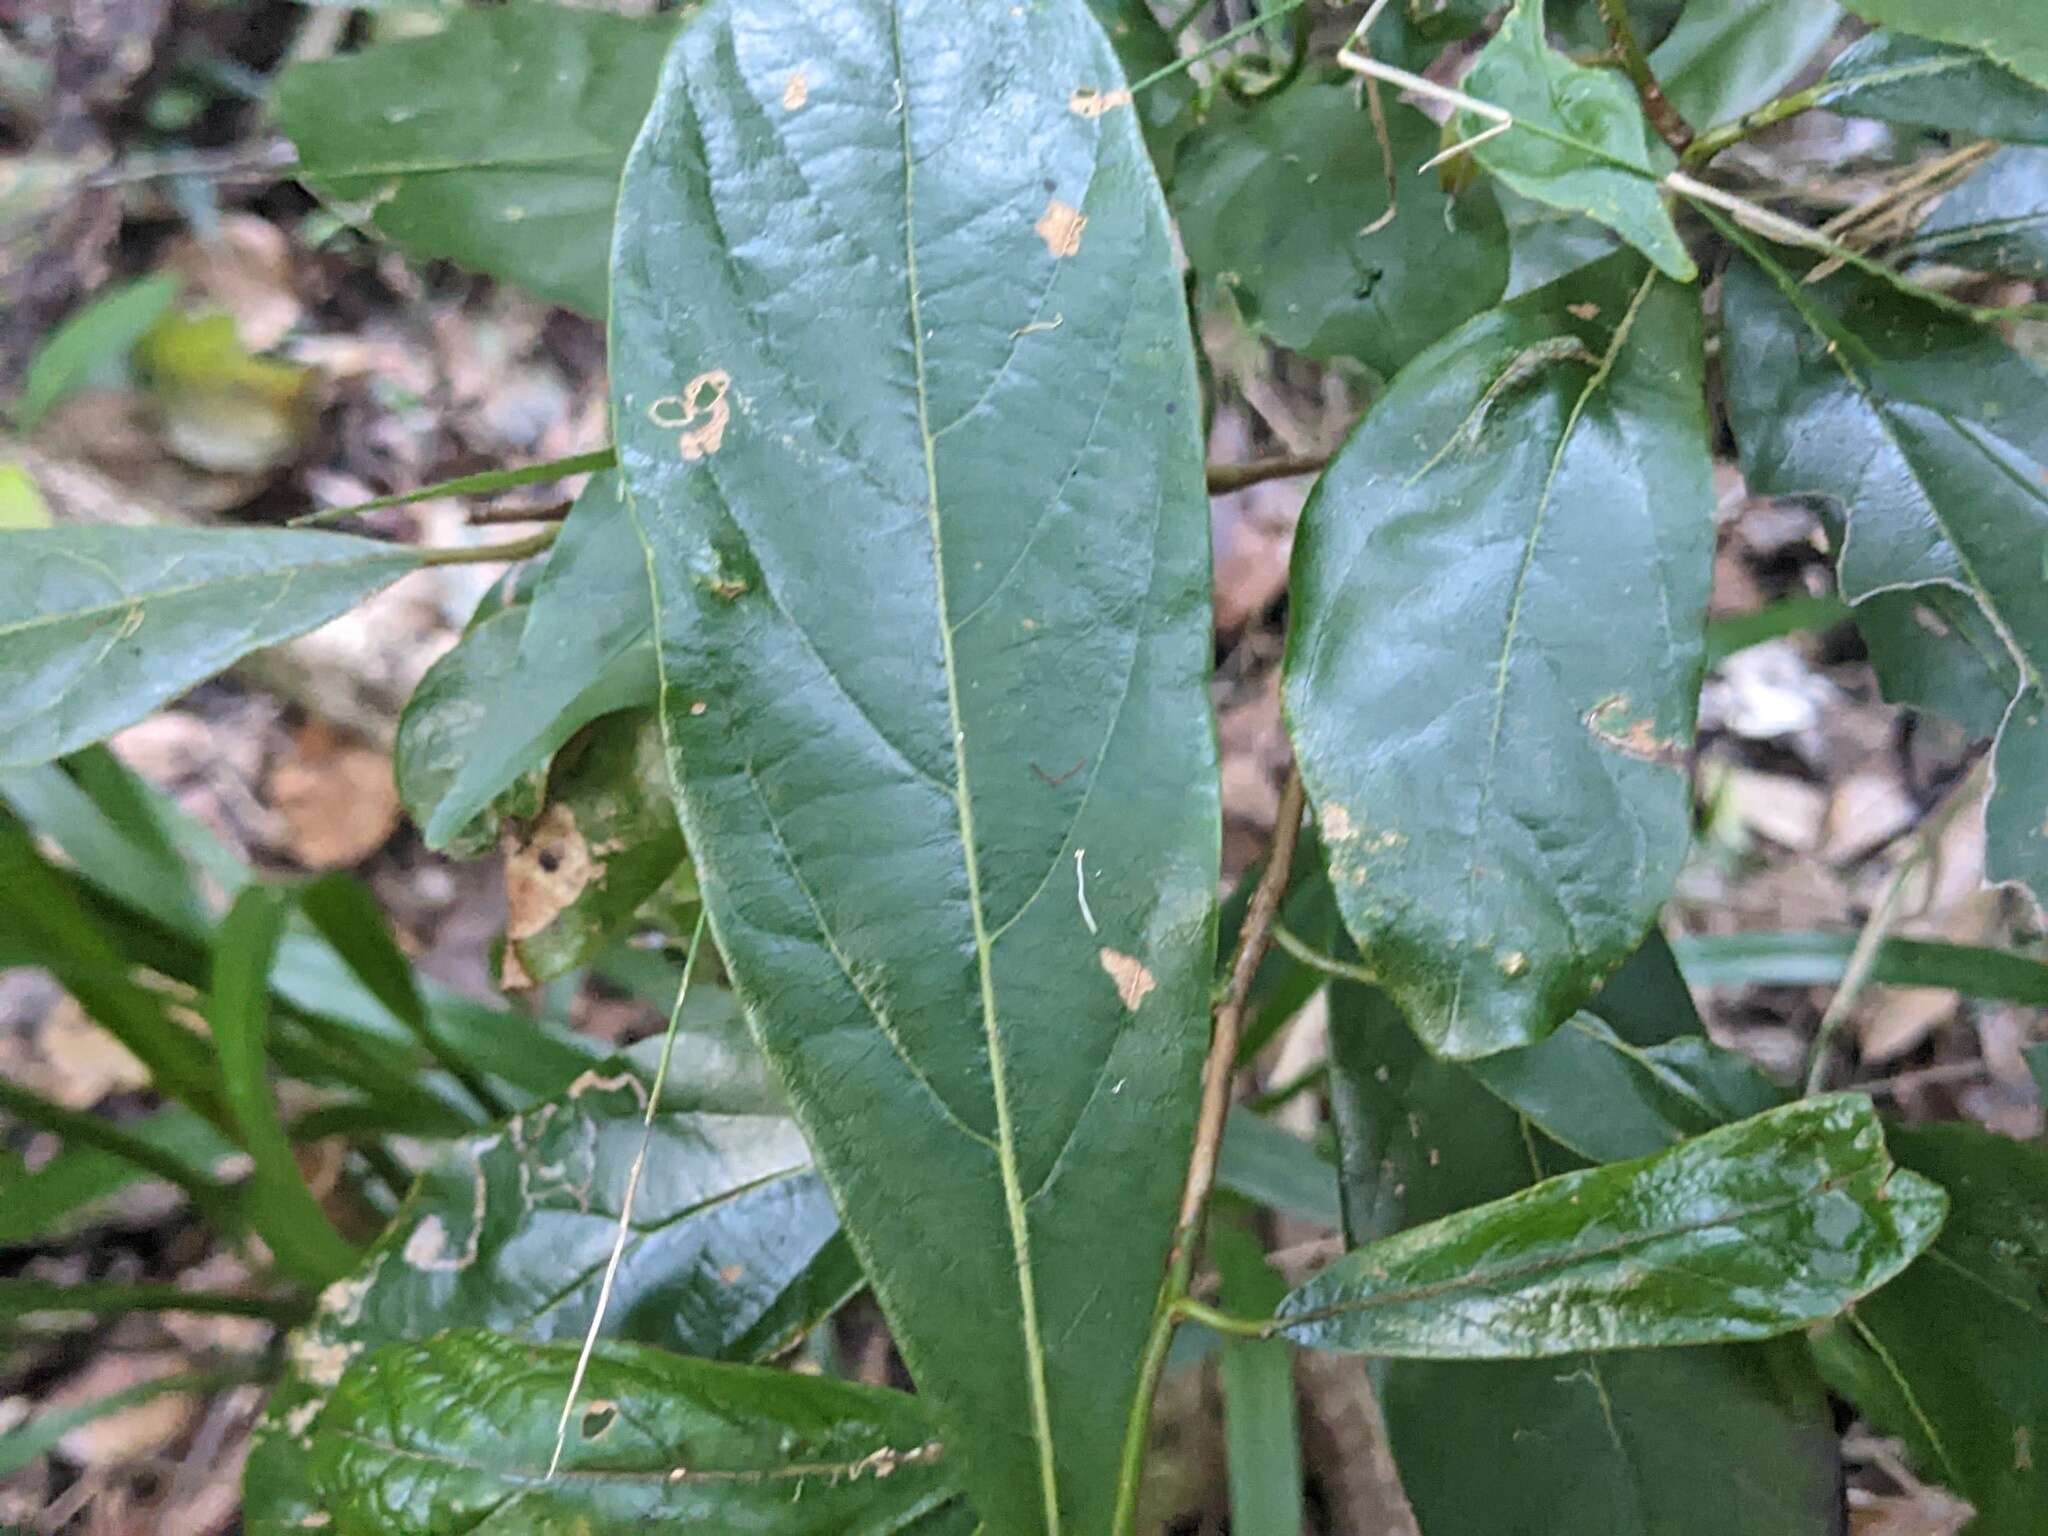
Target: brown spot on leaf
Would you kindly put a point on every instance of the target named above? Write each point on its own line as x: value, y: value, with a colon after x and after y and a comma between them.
x: 796, y: 93
x: 1587, y: 311
x: 1336, y: 823
x: 1092, y: 101
x: 547, y: 873
x: 701, y: 413
x: 1638, y: 739
x: 1060, y: 228
x: 733, y: 1274
x: 1134, y: 982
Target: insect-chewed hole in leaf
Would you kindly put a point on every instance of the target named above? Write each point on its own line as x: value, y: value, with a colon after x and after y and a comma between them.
x: 598, y: 1418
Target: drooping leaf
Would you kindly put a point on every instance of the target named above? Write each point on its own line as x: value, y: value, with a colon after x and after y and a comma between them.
x: 281, y: 1207
x: 455, y: 1435
x: 1904, y: 79
x: 495, y: 143
x: 98, y: 336
x: 1277, y: 204
x: 1619, y: 1442
x: 913, y: 440
x: 1932, y: 436
x: 1261, y: 1428
x: 1502, y: 790
x: 2009, y: 31
x: 98, y: 626
x: 1996, y: 221
x: 1726, y: 56
x: 604, y: 842
x: 1579, y: 140
x: 734, y: 1250
x: 1952, y: 1357
x: 1749, y: 1231
x: 586, y: 649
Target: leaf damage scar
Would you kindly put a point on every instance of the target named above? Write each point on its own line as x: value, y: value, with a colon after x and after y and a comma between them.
x: 1060, y: 228
x: 700, y: 413
x: 1632, y: 738
x: 1134, y: 980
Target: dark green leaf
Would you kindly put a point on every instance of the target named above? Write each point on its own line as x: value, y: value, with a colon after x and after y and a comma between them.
x: 1932, y: 435
x: 1821, y: 960
x: 1773, y: 621
x: 495, y: 143
x: 1142, y: 46
x: 1996, y: 221
x: 1604, y: 1099
x: 1953, y: 1356
x: 2009, y: 31
x: 1278, y: 203
x: 122, y: 858
x: 100, y: 334
x: 605, y: 841
x: 280, y: 1205
x: 1505, y: 800
x: 61, y: 1194
x: 1611, y: 1443
x: 1746, y: 1232
x: 585, y: 650
x: 1726, y: 56
x: 735, y: 1251
x: 1261, y: 1432
x: 455, y: 1436
x: 1273, y: 1167
x: 98, y: 626
x: 1647, y: 1001
x: 1579, y: 140
x: 1934, y: 650
x: 1902, y: 79
x: 915, y: 452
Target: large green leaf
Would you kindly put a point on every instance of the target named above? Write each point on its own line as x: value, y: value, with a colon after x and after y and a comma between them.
x: 1279, y: 205
x: 584, y: 648
x: 1932, y: 435
x: 1996, y: 221
x: 454, y: 1437
x: 1501, y: 787
x: 1727, y: 56
x: 734, y: 1249
x: 1749, y: 1231
x: 1953, y: 1356
x: 2009, y: 31
x: 1934, y: 650
x: 495, y: 143
x: 1579, y: 139
x: 1616, y: 1443
x: 1903, y: 79
x: 911, y: 427
x: 98, y: 626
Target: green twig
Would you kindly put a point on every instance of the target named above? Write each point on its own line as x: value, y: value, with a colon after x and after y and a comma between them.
x: 1316, y: 960
x: 483, y: 554
x: 1189, y: 61
x: 1190, y: 1310
x: 21, y: 1297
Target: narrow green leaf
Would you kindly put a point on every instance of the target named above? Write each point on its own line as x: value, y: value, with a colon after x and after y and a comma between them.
x: 2009, y: 31
x: 1726, y: 56
x: 1750, y: 1231
x: 21, y: 1446
x: 279, y: 1204
x: 495, y: 143
x: 1786, y: 616
x: 488, y: 482
x: 1996, y: 221
x: 1902, y: 79
x: 912, y: 433
x: 1618, y: 1443
x: 98, y: 626
x: 586, y: 648
x: 1273, y: 1167
x: 1821, y: 959
x: 99, y: 334
x: 735, y: 1251
x: 430, y: 1439
x: 1933, y: 436
x: 1505, y: 800
x: 1261, y: 1429
x: 1953, y: 1356
x: 1579, y: 139
x: 124, y: 859
x: 176, y: 1149
x: 1279, y: 206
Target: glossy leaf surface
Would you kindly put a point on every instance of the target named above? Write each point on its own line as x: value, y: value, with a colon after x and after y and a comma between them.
x: 1953, y: 1356
x: 454, y: 1436
x: 1580, y: 140
x: 98, y: 626
x: 1996, y: 221
x: 1277, y: 206
x: 1932, y: 435
x: 734, y: 1250
x: 2009, y: 31
x: 906, y: 406
x: 1905, y: 79
x: 586, y: 648
x: 1501, y: 788
x: 1750, y: 1231
x: 1934, y: 650
x: 495, y: 143
x: 1619, y: 1442
x: 1726, y: 56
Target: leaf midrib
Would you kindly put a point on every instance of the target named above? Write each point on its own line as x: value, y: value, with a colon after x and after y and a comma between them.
x: 1006, y: 1148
